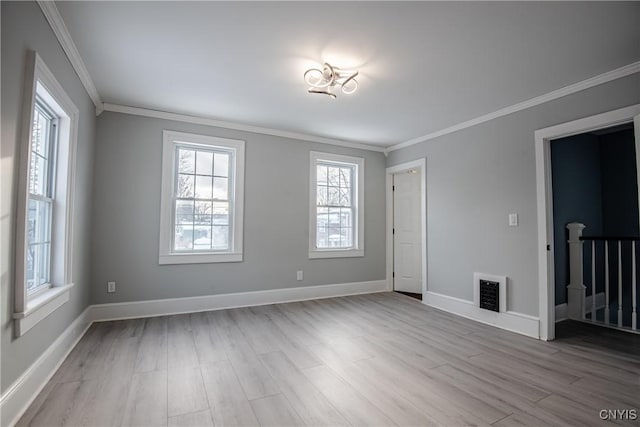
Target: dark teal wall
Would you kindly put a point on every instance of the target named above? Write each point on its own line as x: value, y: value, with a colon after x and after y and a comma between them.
x: 619, y: 184
x: 620, y: 206
x: 577, y: 197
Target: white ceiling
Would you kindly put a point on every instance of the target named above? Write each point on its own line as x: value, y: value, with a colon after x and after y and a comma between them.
x: 423, y: 66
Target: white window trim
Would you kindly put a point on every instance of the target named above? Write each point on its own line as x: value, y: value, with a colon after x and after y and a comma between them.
x: 166, y: 255
x: 28, y: 311
x: 358, y: 188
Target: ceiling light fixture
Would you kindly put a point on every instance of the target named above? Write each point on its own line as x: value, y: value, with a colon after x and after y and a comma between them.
x: 323, y: 81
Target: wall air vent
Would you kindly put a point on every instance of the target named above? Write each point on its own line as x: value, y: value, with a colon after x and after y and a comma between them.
x: 489, y: 295
x: 490, y: 292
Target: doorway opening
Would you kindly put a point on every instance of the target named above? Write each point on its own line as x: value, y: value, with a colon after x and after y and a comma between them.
x: 406, y: 229
x: 595, y: 183
x: 597, y: 126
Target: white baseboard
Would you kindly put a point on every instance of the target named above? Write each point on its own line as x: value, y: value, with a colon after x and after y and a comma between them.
x: 161, y: 307
x: 509, y: 320
x: 17, y: 398
x: 561, y: 309
x: 561, y: 312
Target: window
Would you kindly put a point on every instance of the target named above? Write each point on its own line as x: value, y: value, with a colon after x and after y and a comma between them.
x: 44, y: 246
x: 40, y: 204
x: 336, y: 206
x: 202, y: 202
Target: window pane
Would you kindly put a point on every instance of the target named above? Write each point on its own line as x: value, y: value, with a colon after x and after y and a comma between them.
x: 345, y: 177
x: 183, y: 239
x: 334, y: 196
x: 334, y: 227
x: 184, y: 207
x: 38, y: 250
x: 38, y: 222
x: 204, y: 163
x: 40, y: 137
x: 44, y: 261
x: 322, y: 238
x: 322, y: 217
x: 321, y: 198
x: 202, y: 212
x: 220, y: 237
x: 40, y: 155
x: 37, y: 139
x: 184, y: 212
x: 203, y: 208
x: 334, y: 238
x: 186, y: 184
x: 31, y: 267
x: 184, y: 219
x: 202, y: 237
x: 334, y: 218
x: 203, y: 187
x: 38, y: 175
x: 321, y: 175
x: 220, y: 188
x: 38, y: 269
x: 221, y: 166
x: 220, y: 213
x: 345, y: 197
x: 186, y: 161
x: 346, y: 217
x: 203, y: 219
x: 346, y: 239
x: 333, y: 176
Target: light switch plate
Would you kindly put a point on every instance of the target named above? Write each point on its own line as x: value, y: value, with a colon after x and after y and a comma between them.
x: 513, y: 220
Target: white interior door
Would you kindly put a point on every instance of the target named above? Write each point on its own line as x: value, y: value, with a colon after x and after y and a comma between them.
x: 407, y: 265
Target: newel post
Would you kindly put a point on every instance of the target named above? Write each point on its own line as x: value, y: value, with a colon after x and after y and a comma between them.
x: 576, y: 290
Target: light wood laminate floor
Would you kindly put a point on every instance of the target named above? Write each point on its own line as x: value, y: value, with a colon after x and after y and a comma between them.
x: 378, y: 359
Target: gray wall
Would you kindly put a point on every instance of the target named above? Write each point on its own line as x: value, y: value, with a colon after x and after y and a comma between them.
x: 23, y: 28
x: 276, y: 230
x: 476, y: 176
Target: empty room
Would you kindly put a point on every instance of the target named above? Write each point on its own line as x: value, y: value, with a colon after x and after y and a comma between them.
x: 319, y: 213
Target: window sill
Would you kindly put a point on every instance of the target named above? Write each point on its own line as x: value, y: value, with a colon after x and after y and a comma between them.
x: 349, y: 253
x: 41, y: 306
x: 200, y: 258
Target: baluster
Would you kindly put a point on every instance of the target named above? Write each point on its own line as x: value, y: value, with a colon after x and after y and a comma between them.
x: 619, y: 283
x: 593, y: 280
x: 607, y: 313
x: 634, y: 286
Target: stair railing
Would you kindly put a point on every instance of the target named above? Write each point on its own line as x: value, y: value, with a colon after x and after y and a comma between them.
x: 576, y: 290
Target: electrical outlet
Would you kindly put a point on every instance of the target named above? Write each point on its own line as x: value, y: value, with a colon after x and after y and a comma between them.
x: 111, y: 287
x: 299, y: 275
x: 513, y: 220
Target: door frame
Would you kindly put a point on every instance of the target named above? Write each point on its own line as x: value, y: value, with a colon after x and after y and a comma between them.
x: 421, y: 166
x: 543, y: 138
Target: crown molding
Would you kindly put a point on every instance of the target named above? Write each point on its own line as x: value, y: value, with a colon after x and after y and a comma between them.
x: 61, y: 31
x: 618, y: 73
x: 157, y: 114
